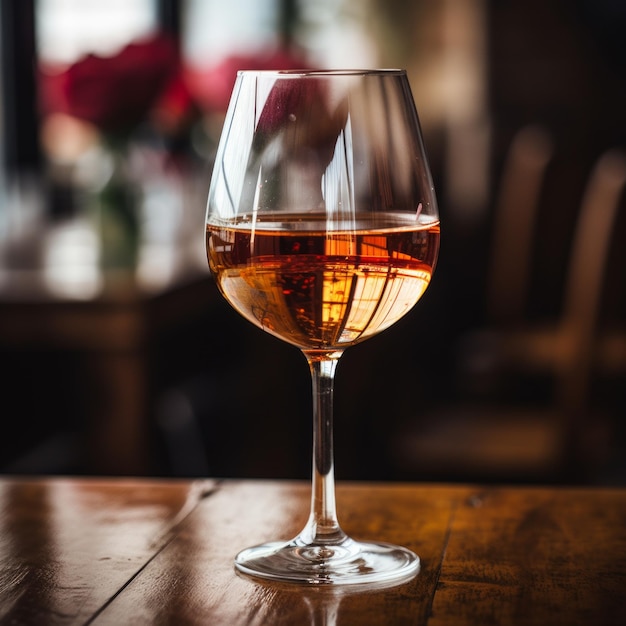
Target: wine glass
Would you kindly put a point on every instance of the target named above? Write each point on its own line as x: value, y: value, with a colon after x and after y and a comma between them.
x: 322, y: 229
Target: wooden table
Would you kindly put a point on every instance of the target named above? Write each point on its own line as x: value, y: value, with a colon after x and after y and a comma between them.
x: 139, y: 551
x: 112, y: 340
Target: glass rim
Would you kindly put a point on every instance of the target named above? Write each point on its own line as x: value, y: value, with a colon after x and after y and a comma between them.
x: 304, y: 73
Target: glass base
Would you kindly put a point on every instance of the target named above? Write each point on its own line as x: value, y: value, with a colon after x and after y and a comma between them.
x: 347, y: 563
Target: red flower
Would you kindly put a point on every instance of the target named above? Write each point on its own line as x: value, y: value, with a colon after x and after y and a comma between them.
x: 114, y: 93
x: 175, y: 107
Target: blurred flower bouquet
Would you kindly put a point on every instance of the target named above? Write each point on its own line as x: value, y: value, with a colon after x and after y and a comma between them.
x: 98, y: 114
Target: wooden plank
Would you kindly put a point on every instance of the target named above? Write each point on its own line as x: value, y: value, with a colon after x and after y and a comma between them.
x: 535, y: 556
x: 193, y: 581
x: 67, y: 546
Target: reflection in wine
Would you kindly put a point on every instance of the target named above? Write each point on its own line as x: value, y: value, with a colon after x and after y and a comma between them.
x: 323, y: 290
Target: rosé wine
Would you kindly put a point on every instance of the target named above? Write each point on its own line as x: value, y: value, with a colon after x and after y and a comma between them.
x: 323, y: 289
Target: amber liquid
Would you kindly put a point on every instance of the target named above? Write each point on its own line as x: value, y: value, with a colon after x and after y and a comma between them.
x: 323, y: 290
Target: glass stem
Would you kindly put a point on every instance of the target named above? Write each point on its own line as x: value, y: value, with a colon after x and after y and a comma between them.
x: 323, y: 527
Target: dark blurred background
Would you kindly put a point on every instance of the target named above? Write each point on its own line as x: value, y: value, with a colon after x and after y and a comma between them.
x: 117, y: 355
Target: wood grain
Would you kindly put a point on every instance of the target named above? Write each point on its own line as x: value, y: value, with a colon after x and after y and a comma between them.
x: 535, y: 556
x: 122, y: 551
x: 68, y: 546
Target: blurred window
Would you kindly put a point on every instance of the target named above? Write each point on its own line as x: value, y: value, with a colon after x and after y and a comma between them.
x: 69, y: 29
x: 214, y: 28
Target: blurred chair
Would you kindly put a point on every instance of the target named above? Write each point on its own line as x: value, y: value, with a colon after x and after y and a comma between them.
x: 516, y: 211
x: 515, y: 217
x: 576, y: 348
x: 517, y: 439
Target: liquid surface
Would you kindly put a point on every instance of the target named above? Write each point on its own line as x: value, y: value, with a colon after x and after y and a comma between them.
x: 323, y: 290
